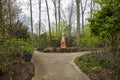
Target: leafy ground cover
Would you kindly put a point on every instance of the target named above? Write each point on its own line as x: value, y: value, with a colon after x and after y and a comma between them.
x: 99, y: 67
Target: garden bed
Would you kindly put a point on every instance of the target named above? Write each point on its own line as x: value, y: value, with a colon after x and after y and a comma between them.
x: 23, y: 71
x: 68, y: 49
x: 60, y: 50
x: 99, y: 67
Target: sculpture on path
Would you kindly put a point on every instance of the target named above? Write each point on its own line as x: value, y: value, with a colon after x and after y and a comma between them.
x: 63, y: 44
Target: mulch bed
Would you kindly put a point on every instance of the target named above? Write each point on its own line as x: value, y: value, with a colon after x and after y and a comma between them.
x: 18, y: 72
x: 104, y: 74
x: 68, y: 49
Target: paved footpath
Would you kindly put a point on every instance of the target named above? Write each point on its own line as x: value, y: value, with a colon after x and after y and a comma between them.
x: 57, y: 66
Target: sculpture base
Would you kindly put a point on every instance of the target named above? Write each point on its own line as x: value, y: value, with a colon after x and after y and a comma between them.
x: 63, y: 45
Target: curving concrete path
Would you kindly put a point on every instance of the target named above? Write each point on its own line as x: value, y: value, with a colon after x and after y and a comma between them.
x: 57, y: 66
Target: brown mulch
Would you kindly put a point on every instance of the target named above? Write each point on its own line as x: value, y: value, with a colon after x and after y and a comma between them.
x: 18, y: 72
x: 103, y: 74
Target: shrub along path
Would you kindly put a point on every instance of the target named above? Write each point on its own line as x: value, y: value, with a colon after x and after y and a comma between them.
x: 57, y: 66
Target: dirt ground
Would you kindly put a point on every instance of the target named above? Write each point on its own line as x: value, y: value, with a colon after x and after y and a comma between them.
x: 57, y: 66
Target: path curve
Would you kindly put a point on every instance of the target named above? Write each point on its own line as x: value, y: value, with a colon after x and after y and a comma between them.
x: 57, y: 66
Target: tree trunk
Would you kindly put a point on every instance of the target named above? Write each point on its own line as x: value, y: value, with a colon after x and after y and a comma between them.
x: 48, y: 21
x: 70, y: 18
x: 55, y: 12
x: 70, y: 26
x: 31, y: 16
x: 78, y: 22
x: 83, y: 8
x: 91, y: 8
x: 82, y: 20
x: 59, y: 14
x: 39, y: 17
x: 10, y: 18
x: 0, y: 13
x: 2, y: 28
x: 9, y: 8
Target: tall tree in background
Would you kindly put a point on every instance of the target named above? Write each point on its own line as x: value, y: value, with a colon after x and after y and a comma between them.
x: 55, y: 12
x: 78, y: 21
x: 9, y: 11
x: 48, y: 21
x: 31, y: 16
x: 92, y: 6
x: 70, y: 13
x: 1, y: 21
x: 83, y: 8
x: 8, y: 17
x: 0, y: 12
x: 59, y: 13
x: 39, y: 2
x: 9, y: 21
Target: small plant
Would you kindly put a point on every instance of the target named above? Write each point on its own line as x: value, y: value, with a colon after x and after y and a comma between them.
x: 31, y: 73
x: 49, y: 49
x: 96, y: 68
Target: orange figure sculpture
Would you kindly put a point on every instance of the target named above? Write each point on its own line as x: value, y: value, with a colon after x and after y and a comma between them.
x: 63, y: 44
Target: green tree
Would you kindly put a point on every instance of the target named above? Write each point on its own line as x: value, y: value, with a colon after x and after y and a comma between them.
x: 105, y: 22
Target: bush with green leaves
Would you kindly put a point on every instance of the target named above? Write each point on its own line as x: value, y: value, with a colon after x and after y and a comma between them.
x: 13, y: 46
x: 87, y: 39
x: 105, y: 22
x: 91, y: 63
x: 49, y: 49
x: 11, y: 51
x: 56, y: 42
x: 90, y: 41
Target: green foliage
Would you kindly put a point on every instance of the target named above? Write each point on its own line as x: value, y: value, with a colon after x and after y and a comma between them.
x: 105, y: 24
x: 106, y: 2
x: 12, y: 51
x: 89, y: 40
x: 56, y: 37
x: 0, y: 36
x: 91, y: 63
x: 22, y: 32
x: 106, y: 20
x: 17, y: 46
x: 49, y: 49
x: 63, y: 27
x: 31, y: 73
x: 44, y: 41
x: 96, y: 65
x: 56, y: 42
